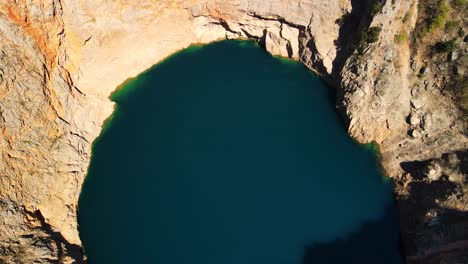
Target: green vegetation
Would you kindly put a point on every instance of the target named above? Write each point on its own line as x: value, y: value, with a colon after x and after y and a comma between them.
x: 376, y: 7
x: 460, y: 3
x: 359, y: 25
x: 401, y: 38
x: 368, y: 37
x: 451, y: 26
x: 434, y: 14
x: 445, y: 46
x: 440, y: 19
x: 421, y: 73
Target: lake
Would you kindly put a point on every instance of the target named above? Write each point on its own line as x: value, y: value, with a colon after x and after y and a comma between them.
x: 223, y: 154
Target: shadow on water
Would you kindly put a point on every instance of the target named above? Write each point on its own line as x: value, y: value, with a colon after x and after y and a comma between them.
x: 350, y: 249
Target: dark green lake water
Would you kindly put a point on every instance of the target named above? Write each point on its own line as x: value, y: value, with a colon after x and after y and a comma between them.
x: 223, y: 154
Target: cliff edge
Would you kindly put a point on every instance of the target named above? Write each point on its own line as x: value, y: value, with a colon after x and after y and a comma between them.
x: 398, y: 67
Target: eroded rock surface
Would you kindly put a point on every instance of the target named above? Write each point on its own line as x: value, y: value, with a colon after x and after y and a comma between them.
x: 60, y: 60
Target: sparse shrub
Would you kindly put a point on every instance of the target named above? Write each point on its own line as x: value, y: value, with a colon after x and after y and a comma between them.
x: 434, y: 15
x: 445, y: 46
x: 460, y: 3
x: 376, y: 7
x: 401, y: 38
x: 373, y: 34
x: 369, y: 36
x: 421, y: 73
x: 451, y: 26
x: 440, y: 19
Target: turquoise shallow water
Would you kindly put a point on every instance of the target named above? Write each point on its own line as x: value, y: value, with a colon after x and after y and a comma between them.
x: 223, y: 154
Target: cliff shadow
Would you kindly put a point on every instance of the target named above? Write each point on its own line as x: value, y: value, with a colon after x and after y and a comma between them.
x: 433, y: 233
x: 350, y: 249
x: 64, y: 248
x: 352, y: 25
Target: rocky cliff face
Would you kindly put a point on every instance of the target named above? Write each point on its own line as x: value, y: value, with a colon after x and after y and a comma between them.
x: 60, y: 60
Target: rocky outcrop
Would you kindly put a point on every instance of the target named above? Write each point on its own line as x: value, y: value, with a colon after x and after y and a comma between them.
x: 60, y: 60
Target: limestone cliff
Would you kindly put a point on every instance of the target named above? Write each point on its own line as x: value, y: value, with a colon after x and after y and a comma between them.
x: 60, y: 60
